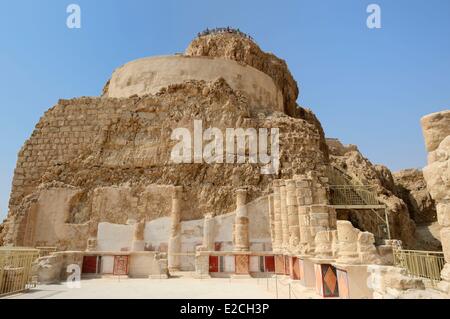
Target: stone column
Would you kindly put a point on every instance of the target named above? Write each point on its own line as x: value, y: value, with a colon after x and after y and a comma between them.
x: 284, y: 217
x: 293, y: 221
x: 208, y: 232
x: 278, y: 231
x: 304, y: 201
x: 174, y: 246
x: 138, y: 243
x: 241, y: 235
x: 271, y: 218
x: 436, y: 131
x: 92, y: 235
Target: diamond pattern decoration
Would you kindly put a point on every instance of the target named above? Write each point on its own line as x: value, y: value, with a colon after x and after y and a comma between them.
x: 330, y: 279
x: 327, y: 284
x: 242, y: 264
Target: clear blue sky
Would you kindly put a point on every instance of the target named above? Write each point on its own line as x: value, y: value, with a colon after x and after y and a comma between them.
x: 368, y: 87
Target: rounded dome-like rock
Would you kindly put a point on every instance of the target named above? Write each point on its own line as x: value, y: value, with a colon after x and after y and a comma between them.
x: 150, y: 75
x: 244, y: 50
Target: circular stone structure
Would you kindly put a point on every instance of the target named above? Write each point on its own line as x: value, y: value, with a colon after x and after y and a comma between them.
x: 150, y: 75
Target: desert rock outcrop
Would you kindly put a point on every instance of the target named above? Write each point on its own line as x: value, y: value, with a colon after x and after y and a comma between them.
x: 107, y: 159
x: 436, y: 130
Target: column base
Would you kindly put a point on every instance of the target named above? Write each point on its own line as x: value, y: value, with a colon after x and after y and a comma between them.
x: 241, y: 276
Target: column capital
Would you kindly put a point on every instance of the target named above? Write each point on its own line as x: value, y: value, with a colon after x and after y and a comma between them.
x: 241, y: 190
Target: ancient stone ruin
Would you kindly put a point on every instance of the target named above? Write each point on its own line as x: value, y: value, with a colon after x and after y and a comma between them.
x: 96, y: 180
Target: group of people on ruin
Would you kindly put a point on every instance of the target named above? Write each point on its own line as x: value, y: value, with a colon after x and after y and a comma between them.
x: 224, y: 30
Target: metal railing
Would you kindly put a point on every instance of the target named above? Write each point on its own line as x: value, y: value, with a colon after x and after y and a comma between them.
x: 353, y: 195
x: 347, y: 192
x: 15, y: 269
x: 338, y: 177
x: 46, y: 251
x: 422, y: 264
x: 282, y: 287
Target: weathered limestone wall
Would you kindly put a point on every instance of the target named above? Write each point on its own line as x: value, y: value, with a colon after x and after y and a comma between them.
x: 355, y: 246
x: 436, y: 130
x: 48, y: 223
x: 218, y: 229
x: 114, y: 150
x: 150, y: 75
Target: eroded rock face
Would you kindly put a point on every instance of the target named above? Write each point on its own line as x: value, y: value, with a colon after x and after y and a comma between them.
x: 412, y: 188
x: 113, y: 157
x: 435, y: 127
x: 355, y: 165
x: 436, y: 130
x: 241, y: 49
x: 109, y: 157
x: 437, y: 173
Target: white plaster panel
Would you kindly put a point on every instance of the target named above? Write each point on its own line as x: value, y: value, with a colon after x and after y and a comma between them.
x: 114, y: 237
x: 229, y: 264
x: 157, y: 231
x: 107, y: 264
x: 254, y: 264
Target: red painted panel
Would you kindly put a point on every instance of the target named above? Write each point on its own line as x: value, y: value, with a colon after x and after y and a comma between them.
x: 89, y: 265
x: 120, y: 265
x: 287, y: 266
x: 295, y: 269
x: 213, y: 263
x: 269, y: 263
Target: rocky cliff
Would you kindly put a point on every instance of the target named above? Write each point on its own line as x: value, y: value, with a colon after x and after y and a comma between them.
x: 108, y: 158
x: 412, y: 189
x: 406, y: 205
x: 436, y: 130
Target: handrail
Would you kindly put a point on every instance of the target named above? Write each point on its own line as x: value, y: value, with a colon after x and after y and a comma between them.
x: 46, y: 251
x: 353, y: 195
x: 419, y: 263
x: 15, y: 269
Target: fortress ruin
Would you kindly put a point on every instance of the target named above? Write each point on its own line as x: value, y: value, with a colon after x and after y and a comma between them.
x: 95, y: 181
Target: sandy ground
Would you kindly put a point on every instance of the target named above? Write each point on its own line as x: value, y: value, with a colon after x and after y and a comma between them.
x: 182, y: 288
